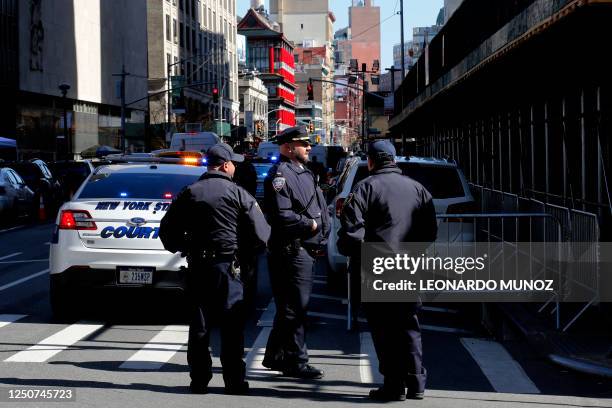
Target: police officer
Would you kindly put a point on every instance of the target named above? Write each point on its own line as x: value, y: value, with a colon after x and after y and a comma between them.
x: 391, y: 208
x: 297, y: 212
x: 204, y: 222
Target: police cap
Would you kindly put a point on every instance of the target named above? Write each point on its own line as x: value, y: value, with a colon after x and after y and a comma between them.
x: 381, y: 151
x: 293, y: 134
x: 221, y: 153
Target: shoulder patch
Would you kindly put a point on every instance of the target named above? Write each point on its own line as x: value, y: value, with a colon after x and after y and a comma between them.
x: 278, y: 183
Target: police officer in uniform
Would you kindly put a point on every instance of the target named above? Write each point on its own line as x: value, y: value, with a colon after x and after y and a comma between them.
x: 297, y: 212
x: 391, y: 208
x: 204, y: 223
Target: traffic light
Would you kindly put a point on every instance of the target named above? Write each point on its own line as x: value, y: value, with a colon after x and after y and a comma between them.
x: 215, y: 94
x: 310, y: 90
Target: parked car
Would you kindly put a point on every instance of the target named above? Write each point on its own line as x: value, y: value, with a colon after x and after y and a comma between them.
x: 16, y: 198
x: 71, y: 174
x: 443, y: 179
x: 40, y: 180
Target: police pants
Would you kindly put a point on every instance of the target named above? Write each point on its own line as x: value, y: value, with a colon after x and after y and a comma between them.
x: 209, y: 289
x: 291, y: 280
x: 396, y: 334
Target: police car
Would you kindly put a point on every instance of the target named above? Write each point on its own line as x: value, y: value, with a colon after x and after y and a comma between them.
x: 107, y: 236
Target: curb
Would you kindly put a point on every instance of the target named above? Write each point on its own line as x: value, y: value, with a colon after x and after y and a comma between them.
x: 538, y: 338
x: 581, y: 365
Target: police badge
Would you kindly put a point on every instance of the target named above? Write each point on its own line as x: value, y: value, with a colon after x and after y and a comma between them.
x: 278, y: 183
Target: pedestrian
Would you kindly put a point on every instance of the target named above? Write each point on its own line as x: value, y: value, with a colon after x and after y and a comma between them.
x: 297, y: 213
x: 204, y: 223
x: 390, y: 208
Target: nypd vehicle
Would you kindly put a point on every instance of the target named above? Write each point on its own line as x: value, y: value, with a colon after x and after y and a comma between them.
x: 107, y: 236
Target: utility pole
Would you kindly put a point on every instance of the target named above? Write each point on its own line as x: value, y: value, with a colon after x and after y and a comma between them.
x: 402, y: 34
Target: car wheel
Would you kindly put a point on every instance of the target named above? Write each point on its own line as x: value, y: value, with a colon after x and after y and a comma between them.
x: 62, y: 303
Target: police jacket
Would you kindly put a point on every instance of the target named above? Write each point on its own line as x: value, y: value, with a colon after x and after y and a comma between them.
x: 212, y: 214
x: 386, y: 207
x: 292, y: 200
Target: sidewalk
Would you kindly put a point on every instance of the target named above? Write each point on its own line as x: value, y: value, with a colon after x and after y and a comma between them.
x: 589, y: 353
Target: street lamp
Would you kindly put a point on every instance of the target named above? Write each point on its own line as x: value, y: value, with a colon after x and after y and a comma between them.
x: 64, y: 90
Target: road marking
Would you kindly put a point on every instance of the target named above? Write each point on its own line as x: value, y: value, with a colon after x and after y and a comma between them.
x: 159, y: 350
x: 22, y: 280
x: 333, y: 316
x: 6, y: 319
x: 10, y: 256
x: 256, y: 355
x: 439, y: 310
x: 368, y: 362
x: 319, y: 282
x: 267, y: 317
x: 56, y: 343
x: 503, y: 372
x: 11, y: 229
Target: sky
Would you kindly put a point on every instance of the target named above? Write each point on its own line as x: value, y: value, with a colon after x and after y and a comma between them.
x: 417, y: 13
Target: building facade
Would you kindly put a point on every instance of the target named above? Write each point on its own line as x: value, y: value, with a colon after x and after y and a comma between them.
x: 254, y: 99
x: 308, y: 23
x: 316, y: 63
x: 270, y: 53
x: 364, y: 21
x: 9, y: 66
x: 70, y: 43
x: 192, y: 44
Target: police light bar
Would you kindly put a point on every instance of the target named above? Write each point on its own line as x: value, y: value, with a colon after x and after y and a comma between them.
x: 168, y: 195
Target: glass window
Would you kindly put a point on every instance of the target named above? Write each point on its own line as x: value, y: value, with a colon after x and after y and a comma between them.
x: 441, y: 182
x: 182, y: 35
x: 175, y: 30
x: 136, y: 185
x: 168, y: 29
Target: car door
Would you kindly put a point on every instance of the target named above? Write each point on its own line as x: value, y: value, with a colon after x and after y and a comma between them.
x: 21, y: 191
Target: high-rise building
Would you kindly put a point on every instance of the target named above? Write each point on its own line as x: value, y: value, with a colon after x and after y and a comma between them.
x: 192, y: 44
x: 364, y: 21
x: 307, y: 23
x: 80, y: 46
x: 270, y: 53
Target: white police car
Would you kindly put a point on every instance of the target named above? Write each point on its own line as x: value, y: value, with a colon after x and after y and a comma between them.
x: 108, y: 235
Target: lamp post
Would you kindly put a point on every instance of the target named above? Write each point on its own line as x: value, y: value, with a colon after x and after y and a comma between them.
x: 64, y: 90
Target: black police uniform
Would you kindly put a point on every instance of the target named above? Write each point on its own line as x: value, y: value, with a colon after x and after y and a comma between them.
x: 392, y: 208
x: 292, y: 201
x: 205, y: 222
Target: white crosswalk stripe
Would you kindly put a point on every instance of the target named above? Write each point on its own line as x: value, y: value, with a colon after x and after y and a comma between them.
x: 6, y: 319
x: 56, y: 343
x: 503, y: 372
x: 159, y: 350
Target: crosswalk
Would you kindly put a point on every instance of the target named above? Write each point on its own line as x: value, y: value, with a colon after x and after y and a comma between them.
x: 163, y: 343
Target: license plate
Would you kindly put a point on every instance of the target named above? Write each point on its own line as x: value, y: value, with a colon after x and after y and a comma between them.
x: 136, y: 275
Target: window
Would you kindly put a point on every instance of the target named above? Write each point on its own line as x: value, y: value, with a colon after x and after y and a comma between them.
x: 175, y: 30
x: 181, y: 4
x: 176, y: 65
x: 168, y: 29
x: 135, y: 185
x: 188, y: 37
x: 168, y: 62
x: 182, y: 35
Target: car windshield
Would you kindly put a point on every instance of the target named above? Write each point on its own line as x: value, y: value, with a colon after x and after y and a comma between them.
x: 262, y: 170
x: 441, y: 182
x: 136, y: 185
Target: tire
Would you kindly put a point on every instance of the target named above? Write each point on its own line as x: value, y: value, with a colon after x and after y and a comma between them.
x: 61, y: 301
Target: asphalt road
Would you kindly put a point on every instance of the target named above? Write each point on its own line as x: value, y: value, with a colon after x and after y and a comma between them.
x: 131, y: 351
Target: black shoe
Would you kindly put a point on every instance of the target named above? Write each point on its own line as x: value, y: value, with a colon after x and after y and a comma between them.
x: 237, y: 389
x: 305, y: 371
x: 198, y: 388
x: 383, y: 394
x: 415, y: 395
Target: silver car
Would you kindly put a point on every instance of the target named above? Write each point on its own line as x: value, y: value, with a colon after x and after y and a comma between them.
x: 16, y: 198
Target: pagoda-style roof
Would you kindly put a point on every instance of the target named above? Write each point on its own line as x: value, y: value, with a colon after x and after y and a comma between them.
x: 256, y: 24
